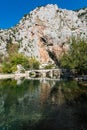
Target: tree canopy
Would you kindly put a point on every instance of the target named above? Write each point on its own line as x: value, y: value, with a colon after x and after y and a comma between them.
x: 76, y: 57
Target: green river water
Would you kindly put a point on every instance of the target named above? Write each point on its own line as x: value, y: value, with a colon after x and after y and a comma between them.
x: 42, y: 105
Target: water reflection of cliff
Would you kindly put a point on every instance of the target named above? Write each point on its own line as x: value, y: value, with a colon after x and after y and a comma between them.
x: 45, y: 91
x: 57, y: 95
x: 54, y: 92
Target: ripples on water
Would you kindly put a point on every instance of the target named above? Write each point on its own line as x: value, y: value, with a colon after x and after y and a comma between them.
x: 42, y: 105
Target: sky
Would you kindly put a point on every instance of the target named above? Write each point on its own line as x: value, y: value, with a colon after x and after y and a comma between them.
x: 11, y: 11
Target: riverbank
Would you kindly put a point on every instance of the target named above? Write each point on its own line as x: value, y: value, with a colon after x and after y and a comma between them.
x: 44, y: 73
x: 19, y: 76
x: 14, y: 76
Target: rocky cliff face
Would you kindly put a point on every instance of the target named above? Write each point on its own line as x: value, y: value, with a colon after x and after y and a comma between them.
x: 44, y: 32
x: 82, y: 14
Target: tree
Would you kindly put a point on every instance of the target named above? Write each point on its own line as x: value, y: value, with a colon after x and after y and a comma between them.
x: 76, y: 57
x: 11, y: 62
x: 33, y: 63
x: 19, y: 58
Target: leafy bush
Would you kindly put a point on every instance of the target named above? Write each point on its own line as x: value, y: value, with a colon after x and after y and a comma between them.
x: 1, y: 69
x: 34, y: 63
x: 49, y: 66
x: 19, y: 59
x: 76, y: 57
x: 11, y: 62
x: 10, y: 65
x: 6, y: 68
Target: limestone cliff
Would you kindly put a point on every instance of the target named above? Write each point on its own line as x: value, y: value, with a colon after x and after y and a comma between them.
x: 44, y: 32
